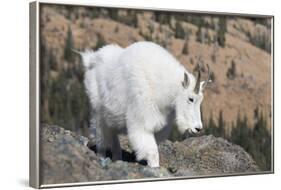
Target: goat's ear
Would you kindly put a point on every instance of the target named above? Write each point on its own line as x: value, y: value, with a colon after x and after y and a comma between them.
x: 185, y: 81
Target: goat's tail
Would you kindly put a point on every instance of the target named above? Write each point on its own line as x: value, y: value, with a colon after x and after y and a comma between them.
x: 88, y: 58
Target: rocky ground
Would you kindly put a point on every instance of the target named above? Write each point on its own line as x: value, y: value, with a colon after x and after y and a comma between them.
x: 66, y: 158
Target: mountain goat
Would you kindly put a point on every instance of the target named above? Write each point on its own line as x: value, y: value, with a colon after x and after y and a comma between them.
x: 141, y: 90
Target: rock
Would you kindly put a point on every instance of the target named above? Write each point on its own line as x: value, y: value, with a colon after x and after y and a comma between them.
x: 66, y: 158
x: 205, y: 155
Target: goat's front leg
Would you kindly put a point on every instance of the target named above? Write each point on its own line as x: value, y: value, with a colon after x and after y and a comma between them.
x: 145, y: 146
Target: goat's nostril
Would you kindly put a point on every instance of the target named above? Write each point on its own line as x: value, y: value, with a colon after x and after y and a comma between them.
x: 198, y: 129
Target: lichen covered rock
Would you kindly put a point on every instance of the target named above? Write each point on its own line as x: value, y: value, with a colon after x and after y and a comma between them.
x: 66, y: 158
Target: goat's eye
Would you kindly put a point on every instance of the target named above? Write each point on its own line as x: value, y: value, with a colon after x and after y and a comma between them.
x: 191, y: 99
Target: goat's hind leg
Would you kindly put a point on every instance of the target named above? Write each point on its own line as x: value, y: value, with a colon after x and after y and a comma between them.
x: 97, y: 136
x: 115, y: 146
x: 108, y: 140
x: 92, y: 130
x: 101, y: 139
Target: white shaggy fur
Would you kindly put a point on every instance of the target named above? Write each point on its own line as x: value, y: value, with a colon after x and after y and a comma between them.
x: 139, y: 89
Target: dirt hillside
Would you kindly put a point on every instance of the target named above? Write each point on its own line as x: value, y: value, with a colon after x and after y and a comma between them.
x: 246, y: 47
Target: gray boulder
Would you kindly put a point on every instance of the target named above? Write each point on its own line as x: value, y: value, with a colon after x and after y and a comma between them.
x: 66, y: 158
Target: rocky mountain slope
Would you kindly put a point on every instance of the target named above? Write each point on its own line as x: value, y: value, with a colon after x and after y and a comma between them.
x: 66, y: 158
x: 241, y: 66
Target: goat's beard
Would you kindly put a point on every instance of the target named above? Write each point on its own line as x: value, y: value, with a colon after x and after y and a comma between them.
x: 182, y: 125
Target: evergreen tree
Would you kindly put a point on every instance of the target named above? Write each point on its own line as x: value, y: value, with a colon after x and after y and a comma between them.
x: 213, y: 77
x: 100, y: 42
x: 212, y: 127
x: 221, y: 32
x: 221, y: 125
x: 162, y: 18
x: 199, y: 35
x: 113, y: 14
x: 69, y: 43
x: 263, y: 141
x: 185, y: 49
x: 231, y: 72
x: 52, y: 62
x: 180, y: 33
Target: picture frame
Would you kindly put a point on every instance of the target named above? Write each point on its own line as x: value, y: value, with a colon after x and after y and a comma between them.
x: 45, y: 27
